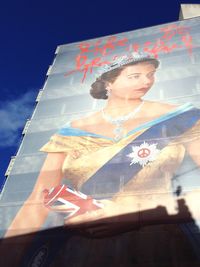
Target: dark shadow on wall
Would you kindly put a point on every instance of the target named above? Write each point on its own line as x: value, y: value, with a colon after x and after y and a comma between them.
x: 108, y: 239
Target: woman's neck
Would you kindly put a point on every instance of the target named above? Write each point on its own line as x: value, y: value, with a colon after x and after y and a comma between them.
x: 119, y: 107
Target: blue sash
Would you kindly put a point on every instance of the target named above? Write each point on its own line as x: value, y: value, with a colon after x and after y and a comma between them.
x: 118, y: 171
x: 108, y: 179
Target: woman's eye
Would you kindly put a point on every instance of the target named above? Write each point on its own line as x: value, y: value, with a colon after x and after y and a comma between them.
x: 151, y: 75
x: 133, y: 77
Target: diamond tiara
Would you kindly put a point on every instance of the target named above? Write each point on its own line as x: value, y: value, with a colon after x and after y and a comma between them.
x: 124, y: 60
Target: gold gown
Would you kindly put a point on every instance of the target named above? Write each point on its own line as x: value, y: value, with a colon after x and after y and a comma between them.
x: 152, y: 245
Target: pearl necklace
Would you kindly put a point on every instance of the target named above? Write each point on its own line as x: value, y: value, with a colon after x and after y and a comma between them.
x: 119, y: 121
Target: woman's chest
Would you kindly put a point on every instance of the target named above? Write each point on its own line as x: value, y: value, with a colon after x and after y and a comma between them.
x: 117, y: 130
x: 80, y: 164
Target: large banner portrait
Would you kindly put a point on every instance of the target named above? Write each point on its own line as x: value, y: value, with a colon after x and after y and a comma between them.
x: 108, y: 170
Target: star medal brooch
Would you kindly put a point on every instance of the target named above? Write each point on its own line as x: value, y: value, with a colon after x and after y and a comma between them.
x: 143, y: 154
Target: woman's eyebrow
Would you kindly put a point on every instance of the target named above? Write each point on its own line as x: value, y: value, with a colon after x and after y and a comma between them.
x: 151, y: 72
x: 135, y: 73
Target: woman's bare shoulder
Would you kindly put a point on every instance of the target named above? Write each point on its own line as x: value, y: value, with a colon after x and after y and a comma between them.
x: 85, y: 122
x: 161, y: 108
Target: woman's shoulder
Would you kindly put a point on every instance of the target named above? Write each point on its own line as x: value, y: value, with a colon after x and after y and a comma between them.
x: 162, y: 105
x: 160, y: 108
x: 85, y: 123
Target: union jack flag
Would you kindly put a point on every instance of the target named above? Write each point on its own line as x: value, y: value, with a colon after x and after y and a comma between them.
x: 66, y: 200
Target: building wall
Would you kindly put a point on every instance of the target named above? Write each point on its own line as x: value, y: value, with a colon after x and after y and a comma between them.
x: 188, y: 11
x: 64, y: 98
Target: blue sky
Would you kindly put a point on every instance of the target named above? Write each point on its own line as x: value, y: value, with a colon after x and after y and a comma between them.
x: 30, y: 33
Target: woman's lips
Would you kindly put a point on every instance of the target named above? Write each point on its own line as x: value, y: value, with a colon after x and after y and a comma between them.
x: 144, y: 89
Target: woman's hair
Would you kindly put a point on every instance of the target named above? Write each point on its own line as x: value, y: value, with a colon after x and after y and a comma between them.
x: 98, y: 88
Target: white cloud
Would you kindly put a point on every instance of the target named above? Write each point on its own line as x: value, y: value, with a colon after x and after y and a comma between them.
x: 13, y: 116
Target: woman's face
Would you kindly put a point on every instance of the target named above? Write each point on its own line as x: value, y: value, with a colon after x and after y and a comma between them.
x: 134, y: 81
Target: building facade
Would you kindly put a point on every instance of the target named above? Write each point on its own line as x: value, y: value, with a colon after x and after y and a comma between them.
x: 65, y: 98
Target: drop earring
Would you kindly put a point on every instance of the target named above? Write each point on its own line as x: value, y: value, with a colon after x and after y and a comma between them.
x: 108, y: 92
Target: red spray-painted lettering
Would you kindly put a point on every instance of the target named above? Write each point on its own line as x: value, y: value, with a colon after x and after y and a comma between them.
x: 102, y: 48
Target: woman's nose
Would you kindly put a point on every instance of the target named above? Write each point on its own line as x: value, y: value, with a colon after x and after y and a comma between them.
x: 146, y: 80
